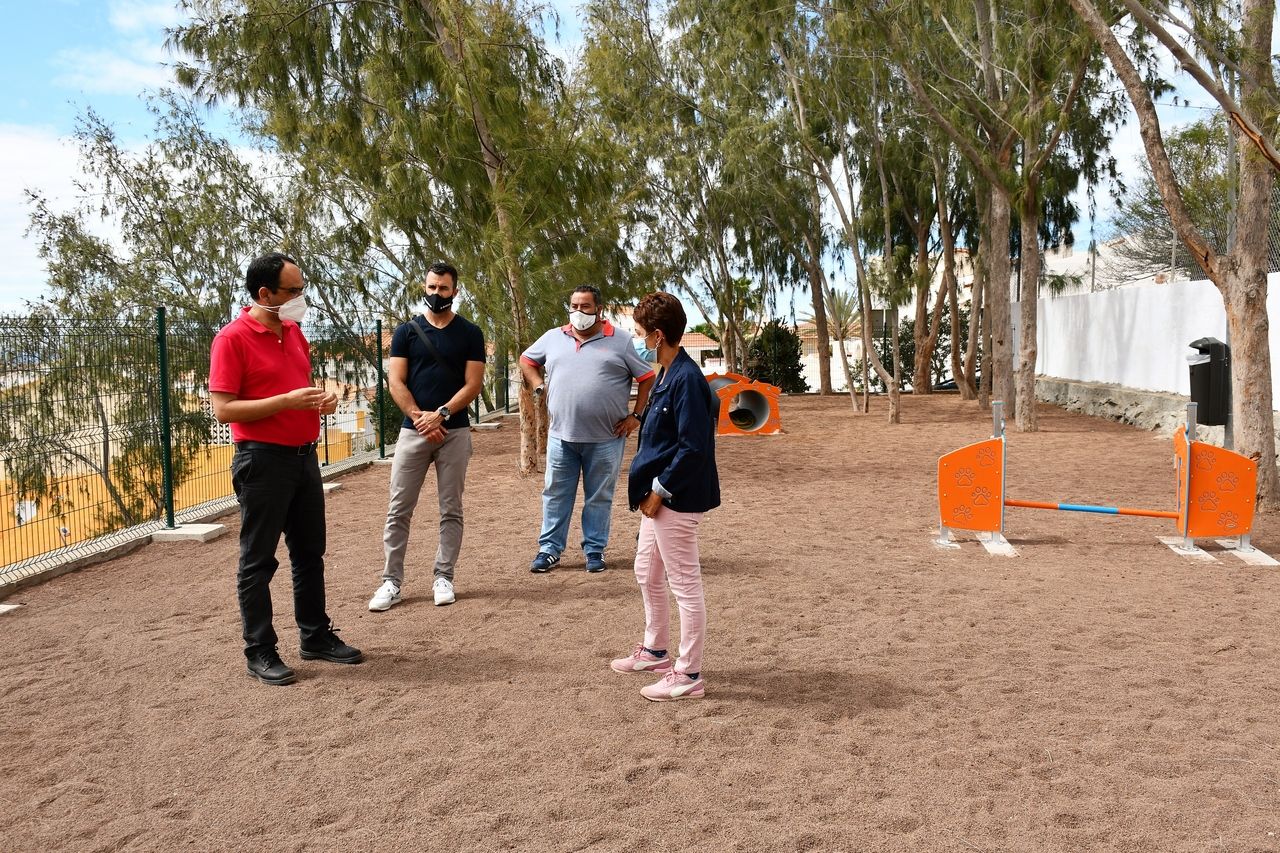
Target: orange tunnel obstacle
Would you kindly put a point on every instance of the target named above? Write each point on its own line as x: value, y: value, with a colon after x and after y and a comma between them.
x: 747, y: 407
x: 1216, y: 489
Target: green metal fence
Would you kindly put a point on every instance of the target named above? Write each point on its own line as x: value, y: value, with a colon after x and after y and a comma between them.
x: 107, y: 432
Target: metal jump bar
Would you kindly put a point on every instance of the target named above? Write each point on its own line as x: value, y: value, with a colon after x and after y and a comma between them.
x: 1103, y: 510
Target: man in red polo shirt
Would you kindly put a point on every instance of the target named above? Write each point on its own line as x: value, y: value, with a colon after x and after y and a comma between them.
x: 260, y: 382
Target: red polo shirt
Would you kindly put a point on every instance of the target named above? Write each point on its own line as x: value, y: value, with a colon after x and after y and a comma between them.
x: 248, y: 360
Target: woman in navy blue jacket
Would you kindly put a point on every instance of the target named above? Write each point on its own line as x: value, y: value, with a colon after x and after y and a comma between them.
x: 673, y: 481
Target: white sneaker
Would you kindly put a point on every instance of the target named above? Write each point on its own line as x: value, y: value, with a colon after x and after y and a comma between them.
x: 386, y: 597
x: 443, y: 588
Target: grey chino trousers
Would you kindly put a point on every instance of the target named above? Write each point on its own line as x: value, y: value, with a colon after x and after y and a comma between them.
x: 414, y: 455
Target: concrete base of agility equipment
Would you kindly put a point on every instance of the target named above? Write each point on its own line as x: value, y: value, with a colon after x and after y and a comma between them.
x: 191, y: 532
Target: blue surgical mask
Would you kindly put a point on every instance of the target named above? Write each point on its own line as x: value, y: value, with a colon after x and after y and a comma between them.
x: 647, y: 353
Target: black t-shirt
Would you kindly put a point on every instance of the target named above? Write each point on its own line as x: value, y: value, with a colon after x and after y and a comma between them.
x: 433, y: 385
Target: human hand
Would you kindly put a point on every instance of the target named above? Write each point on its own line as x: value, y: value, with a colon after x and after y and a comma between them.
x: 424, y: 422
x: 626, y: 426
x: 650, y: 505
x: 308, y: 397
x: 329, y: 404
x: 435, y: 435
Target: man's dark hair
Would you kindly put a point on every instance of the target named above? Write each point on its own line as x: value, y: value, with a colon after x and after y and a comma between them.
x: 264, y: 271
x: 661, y: 312
x: 442, y: 268
x: 594, y: 291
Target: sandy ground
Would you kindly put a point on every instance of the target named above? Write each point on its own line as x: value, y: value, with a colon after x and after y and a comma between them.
x: 866, y: 691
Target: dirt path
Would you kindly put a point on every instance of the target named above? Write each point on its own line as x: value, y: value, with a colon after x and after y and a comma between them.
x: 866, y: 691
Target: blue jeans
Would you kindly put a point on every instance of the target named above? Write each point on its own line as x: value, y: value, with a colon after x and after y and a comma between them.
x: 597, y: 464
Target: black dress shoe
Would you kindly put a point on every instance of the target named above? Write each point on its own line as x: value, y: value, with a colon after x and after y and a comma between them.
x: 269, y: 669
x: 328, y: 647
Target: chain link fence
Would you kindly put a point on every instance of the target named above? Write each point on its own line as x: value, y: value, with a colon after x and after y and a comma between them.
x: 107, y: 430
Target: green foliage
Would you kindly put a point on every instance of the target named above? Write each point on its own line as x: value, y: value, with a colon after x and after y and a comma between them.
x: 775, y: 357
x: 1198, y: 156
x: 939, y: 364
x: 440, y: 129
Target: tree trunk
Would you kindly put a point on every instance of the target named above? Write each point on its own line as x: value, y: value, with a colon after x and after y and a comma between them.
x: 530, y: 452
x: 978, y: 369
x: 848, y: 374
x: 923, y: 332
x: 817, y: 286
x: 819, y: 318
x: 1000, y: 326
x: 1244, y: 293
x: 866, y: 385
x: 950, y: 284
x: 1028, y: 295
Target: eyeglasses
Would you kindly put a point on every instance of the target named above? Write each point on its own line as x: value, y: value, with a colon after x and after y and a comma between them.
x: 585, y: 310
x: 292, y: 291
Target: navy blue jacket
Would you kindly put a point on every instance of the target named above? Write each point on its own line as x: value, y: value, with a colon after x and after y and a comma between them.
x: 678, y: 441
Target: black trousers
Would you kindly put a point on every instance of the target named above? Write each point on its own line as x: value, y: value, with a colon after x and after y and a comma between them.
x: 279, y: 492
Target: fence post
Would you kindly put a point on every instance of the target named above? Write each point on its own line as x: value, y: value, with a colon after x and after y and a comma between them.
x: 382, y: 433
x: 166, y: 432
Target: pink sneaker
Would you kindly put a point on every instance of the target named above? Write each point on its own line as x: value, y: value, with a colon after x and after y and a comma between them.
x: 641, y: 661
x: 674, y: 685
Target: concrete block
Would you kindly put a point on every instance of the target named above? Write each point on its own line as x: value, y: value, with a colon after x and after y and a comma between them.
x: 190, y: 533
x: 332, y: 487
x: 5, y: 608
x: 487, y: 426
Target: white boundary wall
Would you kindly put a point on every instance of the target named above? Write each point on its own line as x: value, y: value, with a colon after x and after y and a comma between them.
x: 1138, y: 337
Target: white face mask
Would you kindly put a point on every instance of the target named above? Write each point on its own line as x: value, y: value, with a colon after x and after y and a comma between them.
x: 582, y: 321
x: 295, y: 309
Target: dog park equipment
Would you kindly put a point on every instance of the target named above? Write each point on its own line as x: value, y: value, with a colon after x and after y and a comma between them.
x: 1216, y: 490
x: 747, y: 407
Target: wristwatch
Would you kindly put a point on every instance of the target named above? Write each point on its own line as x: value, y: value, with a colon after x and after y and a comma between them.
x: 443, y: 412
x: 636, y: 415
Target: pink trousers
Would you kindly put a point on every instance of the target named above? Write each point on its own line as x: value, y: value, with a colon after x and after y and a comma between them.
x: 667, y: 555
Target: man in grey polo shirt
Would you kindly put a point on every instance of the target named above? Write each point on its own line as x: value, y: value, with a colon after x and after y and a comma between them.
x: 585, y: 369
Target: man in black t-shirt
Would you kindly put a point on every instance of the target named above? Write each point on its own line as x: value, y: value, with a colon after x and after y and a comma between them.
x: 436, y: 370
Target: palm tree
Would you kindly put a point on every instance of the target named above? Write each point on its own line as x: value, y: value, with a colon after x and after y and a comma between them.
x: 844, y: 322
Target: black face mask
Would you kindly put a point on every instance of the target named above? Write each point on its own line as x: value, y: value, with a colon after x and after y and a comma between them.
x: 438, y: 303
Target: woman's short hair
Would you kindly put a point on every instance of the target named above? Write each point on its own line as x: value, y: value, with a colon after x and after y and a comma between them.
x: 661, y: 312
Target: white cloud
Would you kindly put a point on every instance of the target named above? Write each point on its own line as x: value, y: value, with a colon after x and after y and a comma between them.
x: 139, y: 65
x: 135, y: 16
x: 30, y: 158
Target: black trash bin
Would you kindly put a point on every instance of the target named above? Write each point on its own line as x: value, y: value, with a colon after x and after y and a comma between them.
x: 1211, y: 381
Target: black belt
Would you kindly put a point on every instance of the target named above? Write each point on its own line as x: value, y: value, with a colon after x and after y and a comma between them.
x: 300, y: 450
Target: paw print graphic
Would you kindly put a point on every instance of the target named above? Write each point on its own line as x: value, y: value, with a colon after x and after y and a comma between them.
x: 964, y: 477
x: 1208, y: 502
x: 1229, y: 521
x: 1206, y: 459
x: 962, y: 513
x: 986, y: 457
x: 981, y: 496
x: 1228, y: 481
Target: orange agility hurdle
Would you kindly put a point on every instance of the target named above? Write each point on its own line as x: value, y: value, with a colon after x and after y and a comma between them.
x: 1216, y: 489
x: 747, y: 407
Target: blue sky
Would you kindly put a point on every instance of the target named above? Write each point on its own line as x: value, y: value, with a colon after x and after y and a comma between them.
x: 61, y: 56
